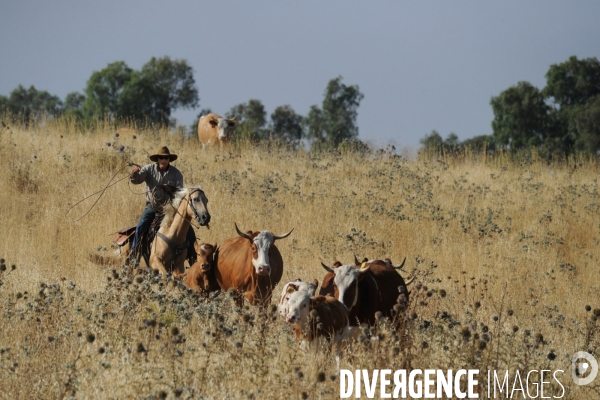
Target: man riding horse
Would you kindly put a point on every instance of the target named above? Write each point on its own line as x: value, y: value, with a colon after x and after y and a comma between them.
x: 161, y: 178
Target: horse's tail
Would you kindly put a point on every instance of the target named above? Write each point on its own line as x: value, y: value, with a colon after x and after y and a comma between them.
x: 104, y: 260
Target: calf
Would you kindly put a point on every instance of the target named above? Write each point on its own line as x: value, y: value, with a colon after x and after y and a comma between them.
x: 319, y: 318
x: 201, y: 276
x: 292, y: 287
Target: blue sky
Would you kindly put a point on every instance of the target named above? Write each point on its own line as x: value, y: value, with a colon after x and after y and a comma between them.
x: 422, y: 65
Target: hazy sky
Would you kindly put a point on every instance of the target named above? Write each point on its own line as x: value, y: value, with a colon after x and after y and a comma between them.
x: 422, y: 65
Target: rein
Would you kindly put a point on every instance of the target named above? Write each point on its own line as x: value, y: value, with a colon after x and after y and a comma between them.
x: 193, y: 208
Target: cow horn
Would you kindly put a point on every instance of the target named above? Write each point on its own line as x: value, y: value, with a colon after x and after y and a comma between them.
x: 275, y: 237
x: 356, y: 262
x: 364, y: 268
x: 401, y: 265
x: 329, y: 269
x: 408, y: 282
x: 244, y: 235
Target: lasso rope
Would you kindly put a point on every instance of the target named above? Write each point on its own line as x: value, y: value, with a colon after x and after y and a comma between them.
x: 109, y: 184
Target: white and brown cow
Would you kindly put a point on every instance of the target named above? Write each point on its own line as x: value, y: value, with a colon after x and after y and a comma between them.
x: 250, y: 264
x: 319, y: 321
x: 213, y: 129
x: 291, y: 287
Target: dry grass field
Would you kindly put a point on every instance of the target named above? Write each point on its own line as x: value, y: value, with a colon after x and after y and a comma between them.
x: 507, y: 254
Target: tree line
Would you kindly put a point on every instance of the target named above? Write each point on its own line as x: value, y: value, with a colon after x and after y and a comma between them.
x: 560, y: 119
x: 119, y: 93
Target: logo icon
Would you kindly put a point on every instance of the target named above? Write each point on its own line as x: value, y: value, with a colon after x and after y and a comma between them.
x: 580, y: 368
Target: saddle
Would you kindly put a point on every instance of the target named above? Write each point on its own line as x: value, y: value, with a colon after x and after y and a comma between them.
x: 126, y: 234
x: 122, y: 236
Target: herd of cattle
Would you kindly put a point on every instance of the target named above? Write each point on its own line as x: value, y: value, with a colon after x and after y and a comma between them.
x: 250, y: 266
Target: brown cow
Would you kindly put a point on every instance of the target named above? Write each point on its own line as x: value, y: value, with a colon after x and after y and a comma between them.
x: 365, y: 289
x: 319, y: 319
x: 201, y: 276
x: 251, y: 265
x: 213, y: 129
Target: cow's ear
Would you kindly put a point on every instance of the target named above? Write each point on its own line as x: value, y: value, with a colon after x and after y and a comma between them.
x: 328, y: 269
x: 232, y: 122
x: 317, y: 301
x: 213, y: 122
x: 197, y: 247
x: 311, y: 291
x: 292, y: 288
x: 337, y: 264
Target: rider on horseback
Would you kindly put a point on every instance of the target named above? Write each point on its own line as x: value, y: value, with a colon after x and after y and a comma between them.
x: 158, y: 175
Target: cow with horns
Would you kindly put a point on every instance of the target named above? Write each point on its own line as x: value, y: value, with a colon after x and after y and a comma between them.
x: 366, y: 288
x: 251, y: 265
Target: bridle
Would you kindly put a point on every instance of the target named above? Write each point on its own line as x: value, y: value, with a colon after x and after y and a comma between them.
x: 186, y: 198
x: 179, y: 248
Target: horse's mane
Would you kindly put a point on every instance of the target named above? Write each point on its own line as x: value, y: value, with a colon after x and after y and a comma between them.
x: 171, y: 210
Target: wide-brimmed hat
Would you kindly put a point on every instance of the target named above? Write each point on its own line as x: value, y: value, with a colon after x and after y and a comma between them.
x: 164, y: 151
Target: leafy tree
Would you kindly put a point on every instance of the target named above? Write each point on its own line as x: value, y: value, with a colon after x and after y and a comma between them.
x: 573, y: 82
x: 588, y: 126
x: 286, y: 124
x: 479, y: 143
x: 31, y: 103
x: 74, y: 101
x: 336, y: 120
x: 570, y: 86
x: 103, y: 90
x: 520, y: 117
x: 164, y: 85
x: 315, y: 125
x: 151, y: 94
x: 251, y: 119
x: 434, y: 143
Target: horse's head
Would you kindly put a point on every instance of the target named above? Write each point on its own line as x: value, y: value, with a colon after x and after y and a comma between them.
x: 197, y: 205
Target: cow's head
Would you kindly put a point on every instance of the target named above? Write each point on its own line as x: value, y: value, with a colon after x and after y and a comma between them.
x: 223, y: 126
x: 298, y: 307
x: 205, y: 252
x: 292, y: 287
x: 261, y: 247
x: 345, y: 282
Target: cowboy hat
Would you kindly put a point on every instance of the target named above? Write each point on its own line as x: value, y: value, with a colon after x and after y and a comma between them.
x: 164, y: 151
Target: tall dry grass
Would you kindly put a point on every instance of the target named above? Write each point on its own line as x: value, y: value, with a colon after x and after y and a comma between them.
x: 510, y: 249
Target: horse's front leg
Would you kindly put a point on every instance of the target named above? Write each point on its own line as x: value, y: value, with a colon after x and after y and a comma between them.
x: 179, y: 265
x: 157, y: 263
